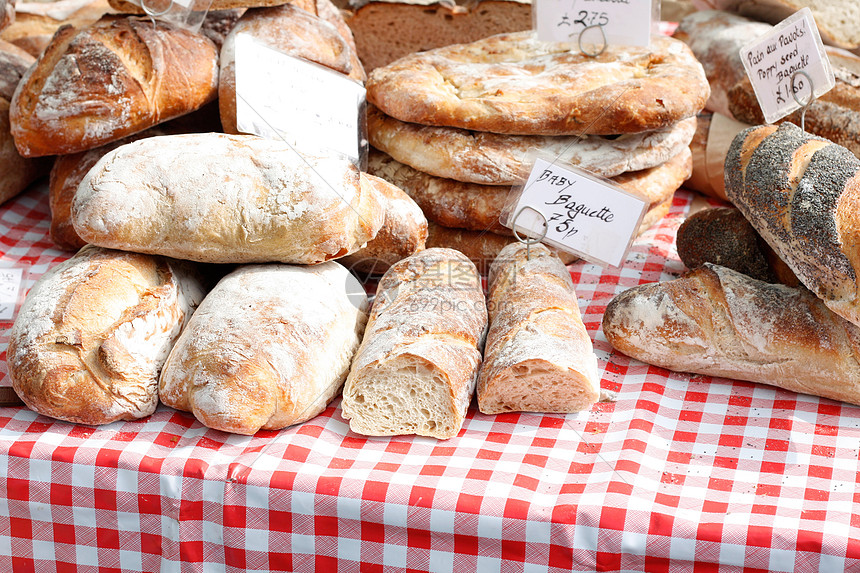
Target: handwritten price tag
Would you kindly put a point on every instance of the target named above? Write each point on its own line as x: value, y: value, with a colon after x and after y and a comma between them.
x: 624, y: 22
x: 784, y: 62
x: 10, y: 286
x: 314, y: 109
x: 580, y: 213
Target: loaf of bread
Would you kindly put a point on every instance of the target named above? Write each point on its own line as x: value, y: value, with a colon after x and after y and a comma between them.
x: 723, y: 236
x: 801, y: 194
x: 417, y: 366
x: 403, y: 233
x: 291, y: 30
x: 388, y: 30
x: 221, y: 198
x: 116, y: 77
x: 134, y: 6
x: 16, y: 172
x: 718, y: 322
x: 94, y: 331
x: 268, y: 347
x: 538, y: 357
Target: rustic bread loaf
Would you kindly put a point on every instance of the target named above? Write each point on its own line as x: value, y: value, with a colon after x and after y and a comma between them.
x: 219, y: 198
x: 800, y: 192
x: 718, y: 322
x: 416, y: 369
x: 268, y: 347
x: 134, y: 6
x: 36, y: 22
x: 403, y: 233
x: 538, y: 357
x: 94, y: 331
x: 388, y: 30
x: 17, y: 172
x: 497, y: 159
x: 291, y: 30
x: 512, y: 83
x: 117, y: 77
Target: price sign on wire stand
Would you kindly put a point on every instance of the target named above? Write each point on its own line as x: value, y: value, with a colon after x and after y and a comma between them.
x: 575, y: 211
x: 621, y: 22
x: 788, y: 67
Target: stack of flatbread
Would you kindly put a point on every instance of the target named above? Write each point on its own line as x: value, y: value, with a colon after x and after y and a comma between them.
x: 456, y: 127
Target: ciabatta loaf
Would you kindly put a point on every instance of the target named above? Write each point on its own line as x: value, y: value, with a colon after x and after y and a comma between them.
x: 416, y: 369
x: 719, y: 322
x: 93, y: 333
x: 538, y: 357
x: 269, y: 347
x: 219, y: 198
x: 116, y: 77
x: 802, y: 193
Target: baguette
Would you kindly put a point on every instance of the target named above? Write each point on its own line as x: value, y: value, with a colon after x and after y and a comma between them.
x: 718, y: 322
x: 116, y: 77
x: 268, y: 347
x: 94, y: 331
x: 416, y: 369
x: 538, y: 357
x: 222, y: 198
x: 801, y: 194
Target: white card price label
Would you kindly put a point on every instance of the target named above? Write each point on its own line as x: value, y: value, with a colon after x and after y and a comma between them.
x: 314, y: 109
x: 623, y: 22
x: 580, y: 213
x: 10, y: 286
x: 782, y: 64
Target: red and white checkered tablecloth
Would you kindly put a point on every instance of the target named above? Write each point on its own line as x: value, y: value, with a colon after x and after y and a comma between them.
x: 680, y: 473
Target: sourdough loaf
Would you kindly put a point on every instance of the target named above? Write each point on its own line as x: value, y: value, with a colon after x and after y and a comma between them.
x: 538, y: 356
x: 94, y: 331
x: 718, y: 322
x: 221, y: 198
x: 268, y: 347
x: 119, y: 76
x: 416, y: 368
x: 512, y: 83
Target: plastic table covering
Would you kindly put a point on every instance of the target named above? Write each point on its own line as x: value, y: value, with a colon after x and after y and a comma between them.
x: 679, y: 473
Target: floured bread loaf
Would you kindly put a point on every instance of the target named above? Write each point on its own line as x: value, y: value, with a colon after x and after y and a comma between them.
x: 291, y: 30
x: 269, y: 347
x: 36, y: 22
x: 219, y: 198
x: 134, y: 6
x: 539, y: 357
x: 403, y: 233
x: 93, y: 333
x: 498, y: 159
x: 511, y: 83
x: 116, y: 77
x: 416, y: 369
x: 718, y: 322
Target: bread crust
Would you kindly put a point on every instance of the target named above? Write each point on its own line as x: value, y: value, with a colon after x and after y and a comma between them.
x: 116, y: 77
x: 511, y: 83
x: 218, y: 198
x: 93, y: 333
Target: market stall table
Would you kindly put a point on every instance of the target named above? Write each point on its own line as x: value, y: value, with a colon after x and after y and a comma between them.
x: 677, y: 470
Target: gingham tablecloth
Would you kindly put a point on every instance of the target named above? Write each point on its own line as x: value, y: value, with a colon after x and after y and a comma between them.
x: 679, y: 473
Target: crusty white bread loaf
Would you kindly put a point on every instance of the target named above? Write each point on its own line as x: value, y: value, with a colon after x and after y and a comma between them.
x: 37, y: 22
x: 538, y: 356
x: 497, y: 159
x: 16, y: 172
x: 718, y: 322
x: 403, y: 233
x: 388, y: 30
x: 417, y: 366
x: 291, y: 30
x: 268, y: 347
x: 94, y: 331
x: 802, y: 194
x: 116, y: 77
x: 218, y: 198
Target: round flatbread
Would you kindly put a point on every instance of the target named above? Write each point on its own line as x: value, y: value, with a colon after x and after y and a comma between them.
x: 499, y: 159
x: 512, y: 83
x: 477, y: 207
